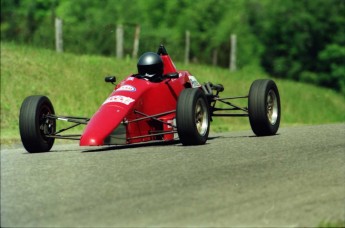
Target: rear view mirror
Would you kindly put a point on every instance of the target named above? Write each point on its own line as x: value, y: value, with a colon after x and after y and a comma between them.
x: 111, y: 79
x: 172, y: 75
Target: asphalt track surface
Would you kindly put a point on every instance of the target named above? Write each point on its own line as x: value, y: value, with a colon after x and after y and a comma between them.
x: 294, y: 179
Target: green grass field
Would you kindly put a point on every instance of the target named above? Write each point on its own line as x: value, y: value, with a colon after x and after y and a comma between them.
x: 75, y: 84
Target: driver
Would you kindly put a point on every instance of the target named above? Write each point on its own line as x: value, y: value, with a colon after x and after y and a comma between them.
x: 150, y: 66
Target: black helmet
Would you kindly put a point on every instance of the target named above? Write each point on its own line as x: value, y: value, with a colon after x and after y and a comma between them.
x: 150, y: 65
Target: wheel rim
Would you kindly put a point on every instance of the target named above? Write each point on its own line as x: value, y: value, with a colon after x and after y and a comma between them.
x: 201, y: 117
x: 272, y: 107
x: 47, y: 125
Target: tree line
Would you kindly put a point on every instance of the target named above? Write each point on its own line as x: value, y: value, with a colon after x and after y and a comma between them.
x: 302, y: 40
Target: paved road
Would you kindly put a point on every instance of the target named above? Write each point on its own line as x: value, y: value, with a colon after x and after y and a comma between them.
x: 295, y: 178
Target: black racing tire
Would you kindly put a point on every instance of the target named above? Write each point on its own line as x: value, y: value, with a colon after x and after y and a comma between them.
x: 192, y: 117
x: 264, y: 107
x: 34, y: 126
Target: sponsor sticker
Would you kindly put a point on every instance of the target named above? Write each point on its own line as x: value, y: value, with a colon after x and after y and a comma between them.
x: 128, y: 88
x: 119, y: 99
x: 194, y: 82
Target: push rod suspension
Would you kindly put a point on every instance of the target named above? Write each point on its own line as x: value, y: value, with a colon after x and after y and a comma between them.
x: 233, y: 115
x: 149, y: 135
x: 72, y: 119
x: 235, y: 106
x: 70, y: 137
x: 67, y: 128
x: 153, y: 117
x: 228, y: 98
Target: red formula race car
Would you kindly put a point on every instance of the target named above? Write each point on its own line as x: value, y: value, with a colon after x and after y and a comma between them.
x: 156, y: 104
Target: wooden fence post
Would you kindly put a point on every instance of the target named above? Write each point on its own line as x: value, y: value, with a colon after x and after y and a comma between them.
x: 233, y: 52
x: 119, y: 41
x: 187, y: 48
x: 136, y: 41
x: 58, y: 35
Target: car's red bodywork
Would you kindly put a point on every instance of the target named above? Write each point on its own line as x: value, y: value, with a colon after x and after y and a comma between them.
x: 132, y: 104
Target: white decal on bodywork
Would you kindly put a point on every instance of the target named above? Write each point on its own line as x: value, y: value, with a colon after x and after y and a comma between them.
x: 128, y: 88
x: 119, y: 99
x: 194, y: 82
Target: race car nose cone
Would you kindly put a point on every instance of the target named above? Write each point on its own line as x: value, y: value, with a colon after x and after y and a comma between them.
x: 86, y: 141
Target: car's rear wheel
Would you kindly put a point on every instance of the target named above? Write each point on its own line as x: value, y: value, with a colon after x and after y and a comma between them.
x: 264, y: 107
x: 192, y: 117
x: 35, y: 126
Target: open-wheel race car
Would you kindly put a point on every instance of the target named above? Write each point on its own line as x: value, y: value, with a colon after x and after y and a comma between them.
x: 158, y: 103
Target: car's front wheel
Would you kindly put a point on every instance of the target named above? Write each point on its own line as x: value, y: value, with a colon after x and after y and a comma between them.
x: 264, y: 107
x: 192, y: 117
x: 34, y: 124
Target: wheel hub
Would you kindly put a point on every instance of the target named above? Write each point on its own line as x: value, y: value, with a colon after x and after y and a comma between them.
x: 201, y: 117
x: 272, y: 107
x: 47, y: 126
